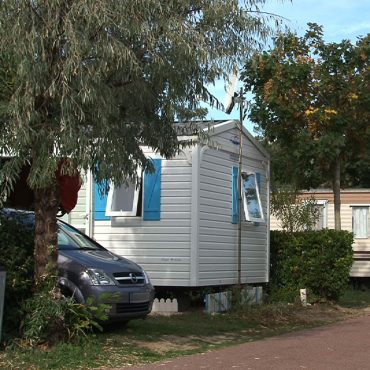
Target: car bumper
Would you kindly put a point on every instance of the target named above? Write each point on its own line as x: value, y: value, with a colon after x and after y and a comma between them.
x: 126, y: 303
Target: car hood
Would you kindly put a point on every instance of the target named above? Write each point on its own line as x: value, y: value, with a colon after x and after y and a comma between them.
x: 101, y: 259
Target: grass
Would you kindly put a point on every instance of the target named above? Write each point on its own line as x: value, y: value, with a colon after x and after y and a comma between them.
x: 158, y: 337
x: 356, y: 298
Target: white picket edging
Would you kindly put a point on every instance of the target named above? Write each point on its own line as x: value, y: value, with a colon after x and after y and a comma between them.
x: 165, y: 306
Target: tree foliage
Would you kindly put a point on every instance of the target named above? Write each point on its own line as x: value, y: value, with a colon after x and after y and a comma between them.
x: 293, y: 212
x: 312, y: 105
x: 94, y: 80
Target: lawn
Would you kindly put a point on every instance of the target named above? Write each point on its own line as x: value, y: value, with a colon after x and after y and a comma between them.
x: 356, y: 298
x: 159, y: 337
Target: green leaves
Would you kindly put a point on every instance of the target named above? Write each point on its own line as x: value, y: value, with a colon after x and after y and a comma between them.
x: 319, y: 261
x: 94, y: 81
x: 311, y: 101
x: 294, y: 213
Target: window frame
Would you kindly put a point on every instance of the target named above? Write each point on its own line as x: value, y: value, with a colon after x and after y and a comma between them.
x: 247, y: 215
x: 367, y: 207
x: 135, y: 202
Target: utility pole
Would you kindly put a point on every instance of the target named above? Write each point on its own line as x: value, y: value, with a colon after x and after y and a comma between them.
x: 240, y: 183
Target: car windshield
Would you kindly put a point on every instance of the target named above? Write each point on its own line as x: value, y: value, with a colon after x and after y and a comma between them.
x: 71, y: 239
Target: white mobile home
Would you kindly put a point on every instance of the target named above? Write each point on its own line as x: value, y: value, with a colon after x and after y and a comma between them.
x: 181, y: 225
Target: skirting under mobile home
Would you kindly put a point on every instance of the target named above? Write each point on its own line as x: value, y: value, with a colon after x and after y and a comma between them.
x: 181, y: 224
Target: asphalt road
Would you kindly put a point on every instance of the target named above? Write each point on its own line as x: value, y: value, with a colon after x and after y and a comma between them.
x: 344, y: 345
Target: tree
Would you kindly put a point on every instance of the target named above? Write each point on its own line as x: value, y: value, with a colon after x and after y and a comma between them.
x: 90, y: 81
x: 312, y: 106
x: 294, y: 212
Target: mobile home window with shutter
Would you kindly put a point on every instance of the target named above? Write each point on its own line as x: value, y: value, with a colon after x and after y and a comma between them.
x: 361, y: 222
x: 140, y: 198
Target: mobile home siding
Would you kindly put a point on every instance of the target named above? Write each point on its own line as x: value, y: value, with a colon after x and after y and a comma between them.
x: 78, y: 216
x: 161, y: 247
x: 194, y: 242
x: 217, y: 254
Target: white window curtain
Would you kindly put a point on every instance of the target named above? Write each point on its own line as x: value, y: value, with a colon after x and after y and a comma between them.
x: 321, y: 223
x: 361, y: 222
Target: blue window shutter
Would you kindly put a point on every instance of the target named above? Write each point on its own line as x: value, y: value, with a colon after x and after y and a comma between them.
x: 152, y: 193
x: 235, y: 198
x: 100, y: 204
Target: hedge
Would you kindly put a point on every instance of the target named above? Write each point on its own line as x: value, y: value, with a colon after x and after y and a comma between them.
x: 16, y: 256
x: 319, y: 261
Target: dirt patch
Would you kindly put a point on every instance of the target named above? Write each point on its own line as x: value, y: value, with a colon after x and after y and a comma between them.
x: 326, y: 313
x: 299, y: 317
x: 164, y: 346
x: 172, y: 343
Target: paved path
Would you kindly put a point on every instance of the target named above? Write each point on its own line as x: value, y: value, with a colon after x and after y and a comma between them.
x: 344, y: 345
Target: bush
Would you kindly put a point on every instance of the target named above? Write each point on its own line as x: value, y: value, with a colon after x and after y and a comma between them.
x: 50, y: 317
x: 319, y: 261
x: 16, y: 255
x: 293, y: 212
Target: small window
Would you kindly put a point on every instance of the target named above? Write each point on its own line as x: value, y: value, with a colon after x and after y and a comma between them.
x: 125, y: 200
x: 361, y: 222
x: 251, y: 198
x: 321, y: 222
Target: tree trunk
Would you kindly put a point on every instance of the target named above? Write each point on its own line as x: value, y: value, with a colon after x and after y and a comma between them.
x: 336, y: 191
x: 46, y: 237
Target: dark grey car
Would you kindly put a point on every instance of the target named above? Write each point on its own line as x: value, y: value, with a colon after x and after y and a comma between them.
x: 87, y: 269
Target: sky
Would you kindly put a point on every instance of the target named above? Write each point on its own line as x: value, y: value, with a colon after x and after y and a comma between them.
x: 341, y: 19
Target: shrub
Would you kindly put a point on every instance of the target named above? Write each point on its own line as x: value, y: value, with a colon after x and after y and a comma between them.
x: 293, y: 212
x: 319, y: 261
x: 16, y: 255
x: 50, y: 317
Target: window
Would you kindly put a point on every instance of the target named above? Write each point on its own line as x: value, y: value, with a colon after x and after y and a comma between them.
x: 321, y: 222
x: 130, y: 199
x: 361, y: 221
x: 70, y: 239
x: 251, y: 198
x: 125, y: 200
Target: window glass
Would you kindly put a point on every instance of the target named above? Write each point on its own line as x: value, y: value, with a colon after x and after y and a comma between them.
x: 252, y: 203
x: 69, y: 238
x: 124, y: 200
x: 361, y: 222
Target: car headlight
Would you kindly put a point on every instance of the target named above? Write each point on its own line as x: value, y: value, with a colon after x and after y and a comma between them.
x: 146, y: 277
x: 99, y: 277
